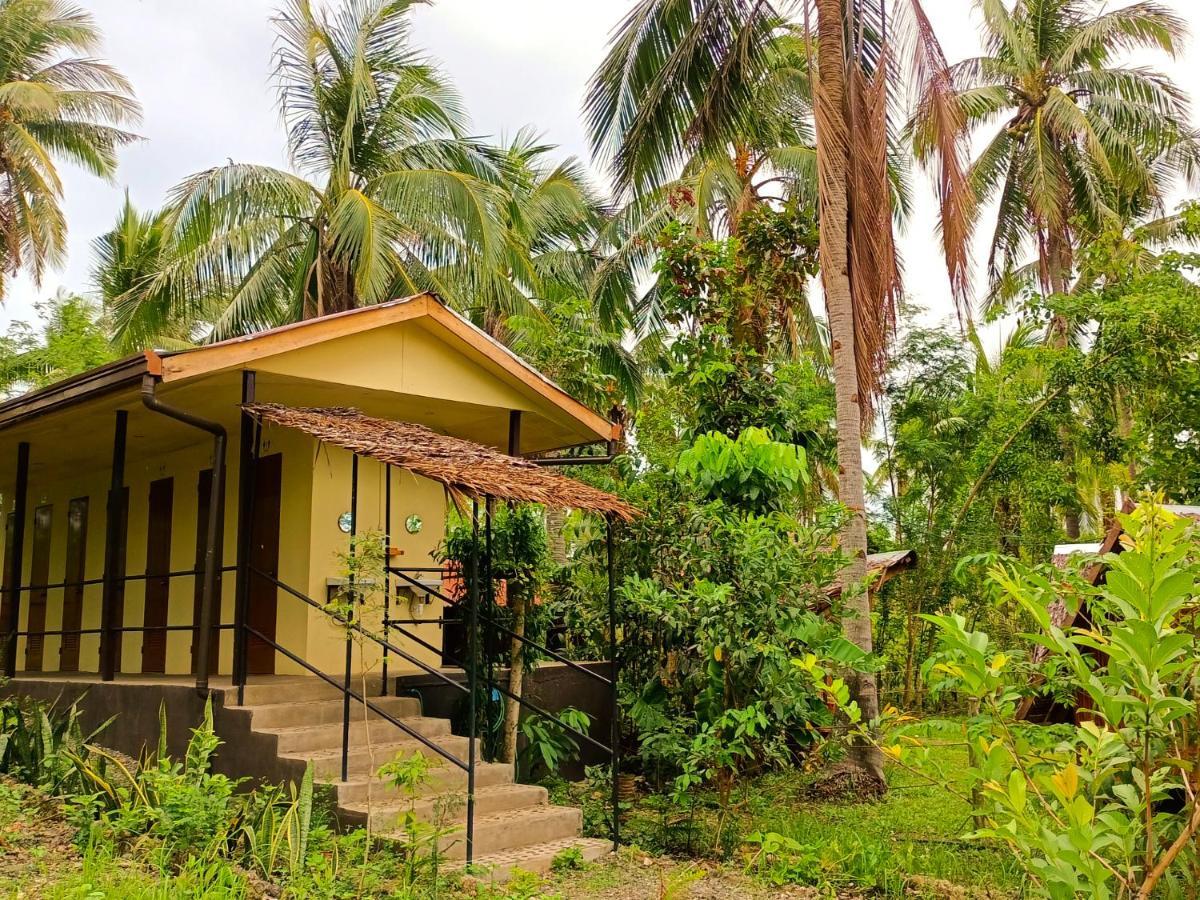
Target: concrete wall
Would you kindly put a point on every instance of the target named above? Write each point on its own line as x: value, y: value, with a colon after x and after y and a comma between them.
x: 135, y: 728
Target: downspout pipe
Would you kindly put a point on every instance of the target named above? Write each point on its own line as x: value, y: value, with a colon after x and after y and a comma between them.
x: 216, y: 518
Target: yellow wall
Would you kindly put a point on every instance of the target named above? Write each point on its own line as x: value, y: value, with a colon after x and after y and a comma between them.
x: 331, y: 497
x: 405, y: 359
x: 315, y: 491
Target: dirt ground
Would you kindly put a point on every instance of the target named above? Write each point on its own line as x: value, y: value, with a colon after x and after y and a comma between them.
x: 36, y: 848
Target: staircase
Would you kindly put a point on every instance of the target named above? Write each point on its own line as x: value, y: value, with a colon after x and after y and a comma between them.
x: 299, y: 721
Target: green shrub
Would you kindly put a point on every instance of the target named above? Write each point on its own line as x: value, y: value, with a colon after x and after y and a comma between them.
x: 44, y: 745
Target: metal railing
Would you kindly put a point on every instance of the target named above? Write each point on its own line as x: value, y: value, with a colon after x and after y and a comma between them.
x: 109, y: 632
x: 349, y: 694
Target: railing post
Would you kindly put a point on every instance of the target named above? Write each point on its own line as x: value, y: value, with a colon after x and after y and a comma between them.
x: 472, y: 676
x: 110, y: 634
x: 16, y: 561
x: 247, y: 441
x: 489, y: 641
x: 387, y: 570
x: 350, y: 615
x: 615, y: 734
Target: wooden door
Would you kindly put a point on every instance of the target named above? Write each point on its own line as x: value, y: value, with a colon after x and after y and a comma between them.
x: 203, y: 502
x: 72, y: 617
x: 264, y: 557
x: 158, y: 584
x: 39, y: 577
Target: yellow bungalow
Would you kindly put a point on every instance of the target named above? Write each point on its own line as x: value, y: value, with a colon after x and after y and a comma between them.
x: 118, y: 587
x: 133, y: 529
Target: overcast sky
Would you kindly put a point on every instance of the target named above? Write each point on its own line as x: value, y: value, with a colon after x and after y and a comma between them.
x: 201, y: 69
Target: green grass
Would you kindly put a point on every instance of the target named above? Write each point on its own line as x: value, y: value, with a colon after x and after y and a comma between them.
x: 917, y: 829
x: 915, y: 838
x: 912, y: 843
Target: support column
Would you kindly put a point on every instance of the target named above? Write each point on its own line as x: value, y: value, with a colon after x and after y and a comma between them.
x: 114, y: 563
x: 244, y: 525
x: 472, y: 677
x: 514, y: 432
x: 16, y: 560
x: 387, y: 573
x: 351, y: 615
x: 614, y: 672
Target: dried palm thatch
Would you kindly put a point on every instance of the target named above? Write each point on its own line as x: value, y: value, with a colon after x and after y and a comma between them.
x: 466, y: 469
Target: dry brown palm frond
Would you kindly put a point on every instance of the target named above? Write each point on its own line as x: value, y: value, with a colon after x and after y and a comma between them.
x: 874, y: 270
x: 940, y: 141
x: 465, y: 468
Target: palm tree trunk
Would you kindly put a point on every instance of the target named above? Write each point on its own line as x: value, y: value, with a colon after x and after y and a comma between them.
x: 1057, y: 266
x: 833, y: 162
x: 556, y: 522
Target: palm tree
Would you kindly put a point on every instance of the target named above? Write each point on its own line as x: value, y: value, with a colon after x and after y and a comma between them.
x: 696, y: 130
x: 694, y: 88
x: 551, y: 219
x: 56, y: 103
x: 126, y: 260
x: 1079, y: 139
x: 388, y: 198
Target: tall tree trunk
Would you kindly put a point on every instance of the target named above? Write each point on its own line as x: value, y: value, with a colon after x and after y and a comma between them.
x: 556, y: 520
x: 516, y: 678
x: 833, y: 164
x: 1058, y: 267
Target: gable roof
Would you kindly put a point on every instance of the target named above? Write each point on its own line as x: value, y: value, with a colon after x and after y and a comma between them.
x: 180, y: 365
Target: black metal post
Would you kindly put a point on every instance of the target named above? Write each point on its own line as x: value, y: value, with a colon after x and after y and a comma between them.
x: 472, y: 676
x: 350, y: 614
x: 387, y: 574
x: 16, y: 560
x: 615, y: 737
x: 489, y: 640
x: 214, y: 528
x: 247, y: 440
x: 514, y: 432
x: 114, y: 529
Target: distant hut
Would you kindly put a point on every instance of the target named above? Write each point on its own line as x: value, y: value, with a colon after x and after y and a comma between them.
x: 882, y: 567
x: 1048, y: 710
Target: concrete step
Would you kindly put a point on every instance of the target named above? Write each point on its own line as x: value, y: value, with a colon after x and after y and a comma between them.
x: 439, y: 780
x: 323, y: 712
x: 447, y: 808
x: 497, y: 868
x: 271, y: 689
x: 326, y: 737
x: 327, y: 763
x: 511, y: 830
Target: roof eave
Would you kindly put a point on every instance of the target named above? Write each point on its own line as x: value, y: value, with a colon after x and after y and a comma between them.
x: 97, y: 382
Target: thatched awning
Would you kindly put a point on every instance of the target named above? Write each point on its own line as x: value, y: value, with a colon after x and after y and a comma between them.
x: 464, y: 467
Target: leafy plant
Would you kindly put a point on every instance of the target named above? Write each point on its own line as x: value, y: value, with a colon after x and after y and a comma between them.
x: 421, y: 845
x: 548, y: 744
x: 567, y: 860
x: 781, y: 860
x: 1111, y: 810
x: 276, y: 827
x: 44, y: 745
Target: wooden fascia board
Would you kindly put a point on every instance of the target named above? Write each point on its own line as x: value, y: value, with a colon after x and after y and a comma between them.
x: 86, y: 386
x: 237, y: 352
